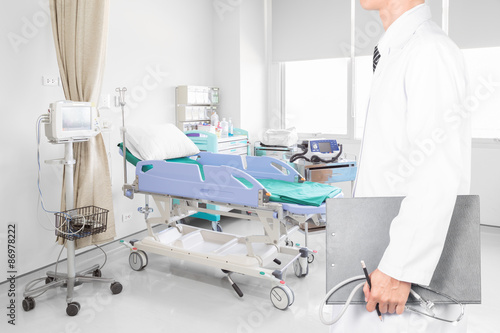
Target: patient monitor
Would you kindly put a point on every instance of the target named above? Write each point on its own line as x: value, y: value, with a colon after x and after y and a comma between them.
x: 71, y: 121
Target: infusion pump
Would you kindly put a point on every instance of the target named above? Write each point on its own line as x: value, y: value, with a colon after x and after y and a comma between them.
x: 318, y: 150
x: 71, y: 121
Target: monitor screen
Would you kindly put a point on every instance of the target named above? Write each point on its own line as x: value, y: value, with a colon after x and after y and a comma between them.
x: 76, y: 118
x: 325, y: 147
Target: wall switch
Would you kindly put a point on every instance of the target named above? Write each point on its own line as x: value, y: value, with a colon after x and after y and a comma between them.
x: 50, y: 80
x: 126, y: 217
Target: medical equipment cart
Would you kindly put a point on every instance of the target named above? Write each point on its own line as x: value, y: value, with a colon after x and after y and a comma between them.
x: 72, y: 224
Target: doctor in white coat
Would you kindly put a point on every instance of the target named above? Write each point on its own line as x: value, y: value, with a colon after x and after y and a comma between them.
x: 416, y: 144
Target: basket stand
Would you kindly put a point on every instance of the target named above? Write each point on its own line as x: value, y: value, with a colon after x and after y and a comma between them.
x: 71, y: 278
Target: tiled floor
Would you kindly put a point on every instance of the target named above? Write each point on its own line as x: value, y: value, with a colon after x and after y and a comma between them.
x: 177, y: 296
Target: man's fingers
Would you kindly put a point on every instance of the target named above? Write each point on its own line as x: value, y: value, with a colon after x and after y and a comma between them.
x: 370, y: 306
x: 392, y: 308
x: 400, y: 309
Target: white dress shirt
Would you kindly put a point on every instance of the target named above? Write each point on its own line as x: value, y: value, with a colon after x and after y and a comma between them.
x: 417, y: 144
x: 417, y: 141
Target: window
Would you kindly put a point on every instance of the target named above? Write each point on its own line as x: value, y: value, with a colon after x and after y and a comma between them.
x: 315, y: 96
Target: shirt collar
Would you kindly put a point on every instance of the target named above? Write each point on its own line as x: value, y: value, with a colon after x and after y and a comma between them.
x: 403, y: 28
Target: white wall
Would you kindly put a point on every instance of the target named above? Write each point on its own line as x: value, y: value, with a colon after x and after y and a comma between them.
x: 226, y: 51
x: 153, y: 46
x: 253, y: 64
x: 240, y: 69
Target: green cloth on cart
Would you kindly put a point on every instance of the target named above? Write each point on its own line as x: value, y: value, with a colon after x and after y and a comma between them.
x: 306, y: 193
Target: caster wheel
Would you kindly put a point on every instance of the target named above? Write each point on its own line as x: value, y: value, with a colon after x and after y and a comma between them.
x: 216, y: 227
x: 28, y: 304
x: 298, y: 270
x: 116, y: 288
x: 72, y: 309
x: 289, y: 243
x: 138, y: 260
x: 310, y: 258
x: 97, y: 273
x: 48, y: 279
x: 293, y: 297
x: 281, y: 297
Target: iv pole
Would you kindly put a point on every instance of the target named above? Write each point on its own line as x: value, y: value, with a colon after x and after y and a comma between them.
x: 120, y: 101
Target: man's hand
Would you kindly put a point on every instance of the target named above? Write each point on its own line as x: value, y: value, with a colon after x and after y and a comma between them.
x: 390, y: 294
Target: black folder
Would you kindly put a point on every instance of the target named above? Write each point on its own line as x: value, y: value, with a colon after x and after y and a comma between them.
x: 358, y: 229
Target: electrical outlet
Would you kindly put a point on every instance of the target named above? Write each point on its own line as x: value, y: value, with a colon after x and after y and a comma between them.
x: 105, y: 101
x: 126, y: 217
x: 50, y: 80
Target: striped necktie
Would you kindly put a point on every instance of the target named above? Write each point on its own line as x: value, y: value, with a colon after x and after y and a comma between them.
x: 376, y: 58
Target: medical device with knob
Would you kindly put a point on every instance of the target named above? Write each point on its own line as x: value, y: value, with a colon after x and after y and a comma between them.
x: 66, y: 123
x: 318, y: 150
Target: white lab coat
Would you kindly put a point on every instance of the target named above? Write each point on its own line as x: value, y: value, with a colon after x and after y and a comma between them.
x: 417, y: 144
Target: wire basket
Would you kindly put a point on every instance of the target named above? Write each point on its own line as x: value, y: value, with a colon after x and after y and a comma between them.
x: 81, y: 222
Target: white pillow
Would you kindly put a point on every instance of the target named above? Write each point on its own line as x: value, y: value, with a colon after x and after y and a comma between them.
x: 159, y: 142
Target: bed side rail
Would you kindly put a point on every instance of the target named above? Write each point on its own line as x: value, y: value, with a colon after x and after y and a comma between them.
x: 184, y: 180
x: 267, y: 167
x: 259, y: 167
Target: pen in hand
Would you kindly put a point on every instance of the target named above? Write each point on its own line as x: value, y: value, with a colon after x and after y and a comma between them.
x: 370, y: 285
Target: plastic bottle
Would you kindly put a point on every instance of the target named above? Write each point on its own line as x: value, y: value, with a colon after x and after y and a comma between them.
x: 230, y: 127
x: 225, y: 128
x: 214, y: 120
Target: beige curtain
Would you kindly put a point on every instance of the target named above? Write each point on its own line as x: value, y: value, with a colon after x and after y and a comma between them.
x: 80, y: 29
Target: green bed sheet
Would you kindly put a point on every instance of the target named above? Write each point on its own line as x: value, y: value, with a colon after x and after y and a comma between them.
x: 306, y: 193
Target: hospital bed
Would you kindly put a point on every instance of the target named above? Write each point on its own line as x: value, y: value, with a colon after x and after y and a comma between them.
x: 234, y: 184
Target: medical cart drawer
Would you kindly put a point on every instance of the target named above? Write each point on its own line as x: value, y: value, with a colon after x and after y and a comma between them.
x: 235, y: 150
x: 331, y: 172
x: 232, y: 143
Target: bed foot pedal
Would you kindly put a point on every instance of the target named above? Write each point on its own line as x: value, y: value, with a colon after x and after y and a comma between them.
x: 234, y: 285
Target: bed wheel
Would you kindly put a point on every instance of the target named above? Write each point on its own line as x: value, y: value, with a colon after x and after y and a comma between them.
x: 289, y: 243
x: 282, y: 297
x: 301, y: 267
x: 138, y: 260
x: 310, y: 258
